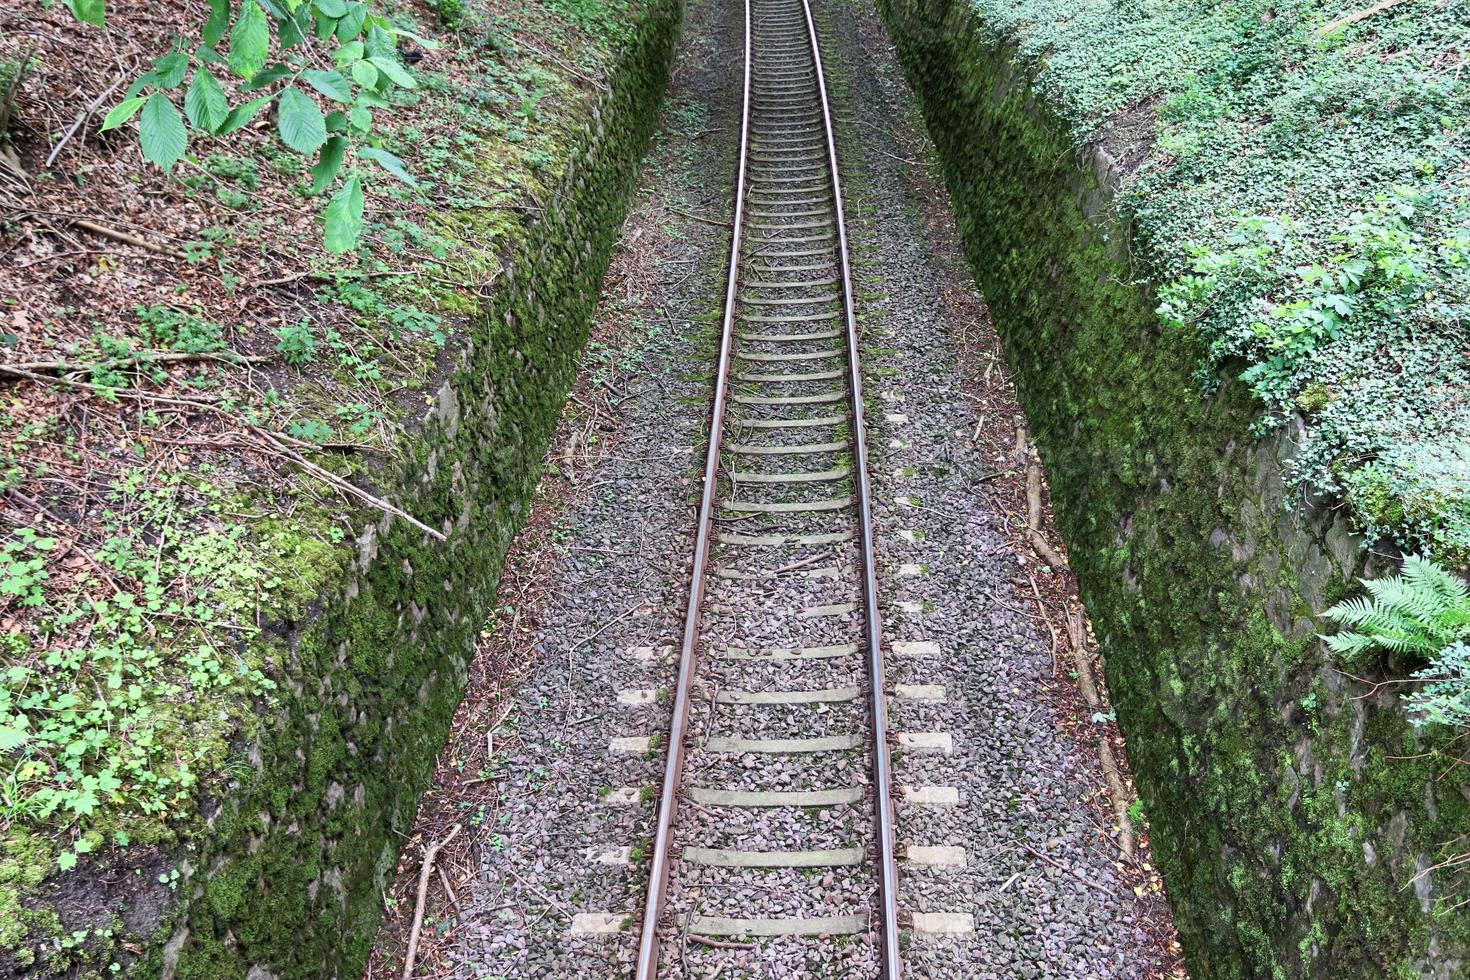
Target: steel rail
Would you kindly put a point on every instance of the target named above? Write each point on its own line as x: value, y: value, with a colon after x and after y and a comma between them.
x: 882, y: 773
x: 647, y: 966
x: 658, y: 877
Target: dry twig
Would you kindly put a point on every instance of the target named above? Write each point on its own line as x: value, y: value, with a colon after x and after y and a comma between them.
x: 418, y: 909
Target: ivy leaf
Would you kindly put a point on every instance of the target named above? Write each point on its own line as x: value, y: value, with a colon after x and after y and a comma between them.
x: 395, y: 71
x: 303, y: 127
x: 332, y: 84
x: 250, y: 40
x: 343, y: 217
x: 242, y: 114
x: 218, y: 22
x: 122, y: 112
x: 388, y: 162
x: 89, y: 11
x: 162, y: 131
x: 327, y: 164
x: 205, y: 103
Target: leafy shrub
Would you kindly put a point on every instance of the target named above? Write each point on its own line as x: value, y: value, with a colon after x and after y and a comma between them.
x: 296, y: 342
x: 165, y: 328
x: 280, y: 50
x: 1422, y: 613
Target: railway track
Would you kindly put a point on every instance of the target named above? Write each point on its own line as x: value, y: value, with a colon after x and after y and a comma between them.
x: 775, y: 822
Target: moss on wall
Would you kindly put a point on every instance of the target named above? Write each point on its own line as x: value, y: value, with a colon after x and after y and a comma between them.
x: 1290, y: 813
x: 287, y: 879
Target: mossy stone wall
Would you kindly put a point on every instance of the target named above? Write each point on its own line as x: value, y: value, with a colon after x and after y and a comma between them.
x: 288, y: 879
x: 1291, y: 809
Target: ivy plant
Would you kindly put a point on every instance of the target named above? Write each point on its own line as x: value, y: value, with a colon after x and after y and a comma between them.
x: 276, y: 51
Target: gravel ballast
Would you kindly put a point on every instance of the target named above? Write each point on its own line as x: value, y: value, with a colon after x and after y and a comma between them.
x: 998, y: 826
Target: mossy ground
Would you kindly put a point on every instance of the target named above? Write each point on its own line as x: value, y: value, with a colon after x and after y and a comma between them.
x: 1200, y: 581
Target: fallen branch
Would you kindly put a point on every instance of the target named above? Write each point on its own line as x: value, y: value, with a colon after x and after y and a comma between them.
x: 709, y: 221
x: 1356, y: 16
x: 147, y: 357
x: 418, y: 908
x: 270, y: 441
x: 1033, y: 520
x: 695, y: 937
x: 77, y: 124
x: 1082, y: 664
x: 1062, y: 867
x: 124, y: 237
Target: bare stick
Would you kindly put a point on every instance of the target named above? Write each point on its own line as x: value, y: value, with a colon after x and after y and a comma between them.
x: 1082, y: 663
x: 148, y: 357
x: 418, y: 908
x: 709, y: 221
x: 82, y: 117
x: 125, y: 238
x: 270, y: 442
x: 1033, y: 520
x: 1356, y: 16
x: 1062, y: 867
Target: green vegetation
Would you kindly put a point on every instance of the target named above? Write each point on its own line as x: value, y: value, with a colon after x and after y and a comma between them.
x: 204, y: 670
x: 1289, y: 815
x: 1425, y: 614
x: 1301, y: 206
x: 279, y: 50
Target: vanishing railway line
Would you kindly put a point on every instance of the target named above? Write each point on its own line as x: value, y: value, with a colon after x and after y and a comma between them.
x: 775, y: 818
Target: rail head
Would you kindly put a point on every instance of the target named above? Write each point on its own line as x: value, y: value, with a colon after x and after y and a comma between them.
x: 658, y: 878
x: 892, y: 961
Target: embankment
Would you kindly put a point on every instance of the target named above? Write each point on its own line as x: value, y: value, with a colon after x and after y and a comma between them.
x: 283, y: 876
x: 1295, y: 812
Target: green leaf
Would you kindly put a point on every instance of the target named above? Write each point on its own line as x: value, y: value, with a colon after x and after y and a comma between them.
x: 327, y: 164
x: 303, y: 127
x: 218, y: 22
x: 261, y: 79
x: 333, y: 84
x: 121, y: 113
x: 242, y: 114
x: 361, y: 118
x: 162, y: 131
x: 364, y: 74
x: 66, y: 860
x: 250, y: 40
x: 205, y: 103
x: 395, y: 71
x: 12, y: 738
x: 350, y: 26
x: 331, y: 8
x: 388, y: 162
x: 89, y: 11
x: 349, y: 52
x: 343, y: 217
x: 336, y: 121
x: 169, y: 70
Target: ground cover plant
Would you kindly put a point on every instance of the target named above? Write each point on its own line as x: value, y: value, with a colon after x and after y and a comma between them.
x: 194, y: 364
x: 1303, y: 207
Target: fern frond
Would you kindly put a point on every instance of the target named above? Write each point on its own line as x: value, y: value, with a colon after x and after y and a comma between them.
x: 1421, y: 611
